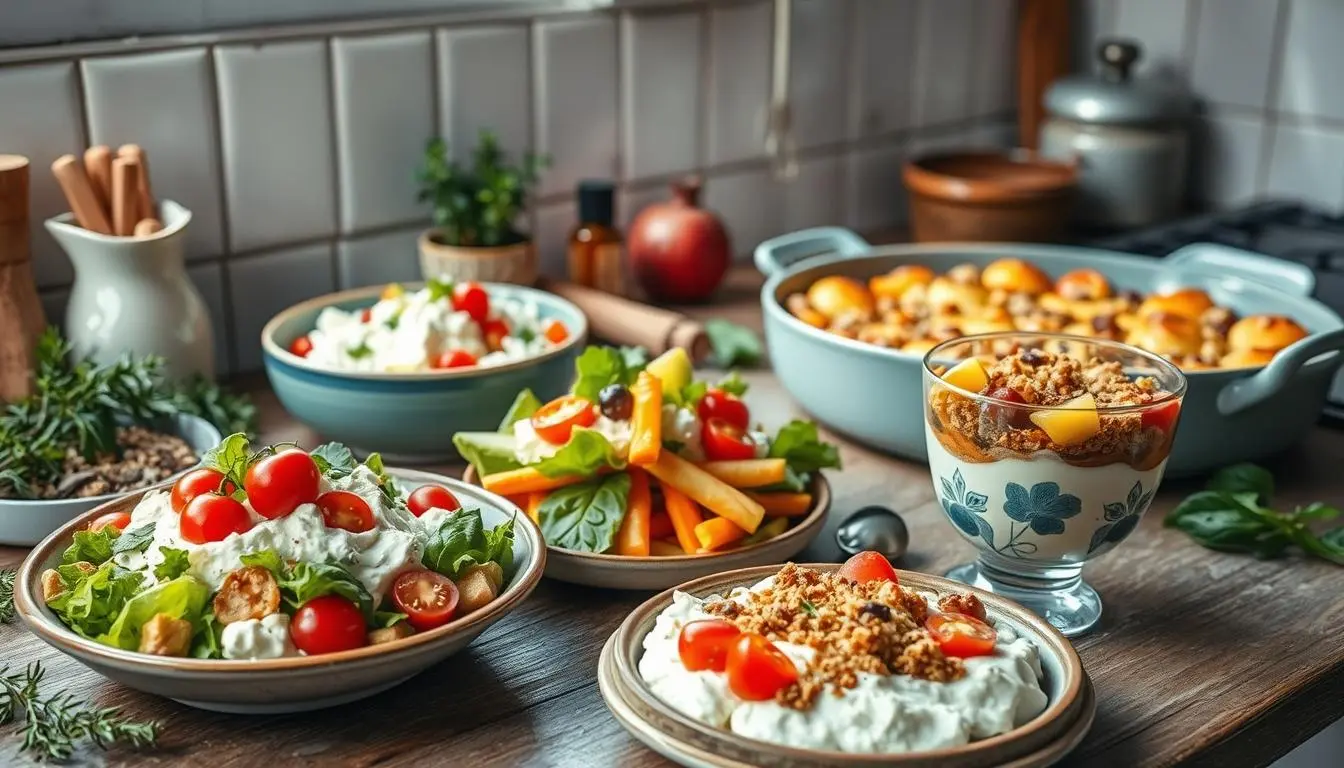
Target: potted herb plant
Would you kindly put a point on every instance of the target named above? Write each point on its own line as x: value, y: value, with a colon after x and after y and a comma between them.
x: 476, y: 210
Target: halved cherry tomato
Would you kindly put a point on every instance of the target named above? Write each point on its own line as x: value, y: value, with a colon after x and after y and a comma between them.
x: 556, y: 420
x: 431, y: 496
x: 118, y: 520
x: 345, y: 510
x: 494, y: 332
x: 757, y: 670
x: 961, y: 635
x: 471, y: 298
x: 196, y: 482
x: 367, y: 315
x: 327, y: 624
x: 554, y: 331
x: 427, y: 598
x: 278, y: 484
x: 704, y: 644
x: 724, y: 441
x: 212, y: 517
x: 454, y: 358
x: 868, y: 566
x: 301, y: 346
x: 1163, y: 416
x: 717, y: 404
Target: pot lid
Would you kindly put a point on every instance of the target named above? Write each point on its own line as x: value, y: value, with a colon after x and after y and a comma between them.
x: 1115, y: 96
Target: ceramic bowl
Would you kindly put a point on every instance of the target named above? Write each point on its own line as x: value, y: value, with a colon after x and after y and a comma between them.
x: 289, y: 684
x: 24, y: 523
x: 650, y: 573
x: 1042, y: 741
x: 412, y: 417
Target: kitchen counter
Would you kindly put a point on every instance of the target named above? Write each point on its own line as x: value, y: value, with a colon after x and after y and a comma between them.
x: 1200, y: 658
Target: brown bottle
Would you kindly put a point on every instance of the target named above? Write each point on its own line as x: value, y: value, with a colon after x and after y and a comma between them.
x: 596, y: 255
x: 21, y: 314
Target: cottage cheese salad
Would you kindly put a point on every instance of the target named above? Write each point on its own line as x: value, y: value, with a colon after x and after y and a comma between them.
x: 849, y: 662
x: 443, y: 325
x: 641, y: 460
x: 273, y: 552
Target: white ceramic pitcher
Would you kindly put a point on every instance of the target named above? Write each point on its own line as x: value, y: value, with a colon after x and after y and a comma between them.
x: 132, y: 295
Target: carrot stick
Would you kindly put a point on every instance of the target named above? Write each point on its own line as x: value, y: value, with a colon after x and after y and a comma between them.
x: 783, y: 504
x: 633, y: 537
x: 526, y: 480
x: 717, y: 533
x: 646, y: 421
x: 748, y: 473
x: 660, y: 526
x: 714, y: 494
x: 685, y: 516
x: 659, y: 548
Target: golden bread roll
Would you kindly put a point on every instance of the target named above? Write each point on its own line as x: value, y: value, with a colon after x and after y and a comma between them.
x: 899, y: 280
x: 1083, y: 284
x: 1246, y: 358
x: 1187, y: 302
x: 1166, y: 333
x: 1015, y: 276
x: 944, y: 294
x: 1264, y: 332
x: 837, y: 295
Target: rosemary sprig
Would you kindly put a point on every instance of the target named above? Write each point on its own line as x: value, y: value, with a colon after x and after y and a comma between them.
x: 7, y: 595
x: 55, y: 725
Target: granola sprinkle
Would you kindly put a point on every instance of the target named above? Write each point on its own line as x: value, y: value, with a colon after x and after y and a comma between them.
x: 875, y: 627
x: 147, y: 457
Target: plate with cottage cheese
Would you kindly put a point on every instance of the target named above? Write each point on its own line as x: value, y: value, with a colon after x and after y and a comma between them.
x: 857, y: 664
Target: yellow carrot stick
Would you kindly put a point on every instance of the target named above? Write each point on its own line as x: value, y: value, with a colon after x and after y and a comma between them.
x: 714, y: 494
x: 783, y: 504
x: 717, y: 533
x: 659, y: 548
x: 748, y: 473
x: 632, y: 539
x: 526, y: 480
x: 685, y: 516
x: 646, y: 420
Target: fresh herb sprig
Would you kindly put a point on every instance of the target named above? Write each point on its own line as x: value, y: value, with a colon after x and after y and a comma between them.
x: 54, y: 725
x: 7, y: 595
x: 1233, y: 515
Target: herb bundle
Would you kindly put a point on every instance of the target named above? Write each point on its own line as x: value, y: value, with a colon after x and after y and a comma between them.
x: 7, y: 595
x: 53, y: 726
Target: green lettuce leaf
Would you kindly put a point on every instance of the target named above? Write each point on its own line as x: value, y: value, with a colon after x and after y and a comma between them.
x: 691, y: 394
x: 93, y: 547
x: 599, y: 367
x: 586, y: 516
x: 231, y: 457
x: 301, y: 582
x: 133, y: 541
x: 524, y: 405
x: 184, y: 597
x: 175, y: 563
x: 488, y: 452
x: 268, y: 559
x: 586, y: 452
x: 733, y: 344
x: 92, y: 602
x: 334, y: 460
x: 462, y: 541
x: 799, y: 444
x: 208, y: 642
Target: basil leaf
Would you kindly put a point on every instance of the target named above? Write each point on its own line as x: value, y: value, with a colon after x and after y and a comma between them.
x: 793, y: 482
x: 175, y: 563
x: 184, y: 597
x: 93, y: 547
x: 524, y: 405
x: 1333, y: 542
x: 586, y: 516
x: 231, y: 458
x: 635, y: 359
x: 586, y: 452
x: 733, y: 384
x: 133, y: 541
x: 689, y: 396
x: 1317, y: 511
x: 268, y: 559
x: 798, y: 444
x: 333, y: 459
x: 488, y: 452
x: 462, y: 541
x: 91, y: 602
x: 360, y: 351
x: 385, y: 619
x: 732, y: 344
x: 385, y: 482
x: 1244, y: 478
x: 599, y: 367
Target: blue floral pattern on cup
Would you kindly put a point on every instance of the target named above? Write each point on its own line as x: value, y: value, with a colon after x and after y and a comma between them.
x: 1121, y: 517
x: 1041, y: 510
x: 965, y: 508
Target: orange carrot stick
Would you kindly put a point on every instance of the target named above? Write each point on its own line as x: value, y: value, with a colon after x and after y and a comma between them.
x: 659, y: 548
x: 709, y: 491
x: 748, y: 473
x: 783, y: 504
x: 533, y: 505
x: 526, y: 480
x: 685, y: 516
x: 646, y: 422
x: 717, y: 533
x: 633, y: 538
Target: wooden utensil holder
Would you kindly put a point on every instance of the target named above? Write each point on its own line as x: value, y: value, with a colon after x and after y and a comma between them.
x: 21, y: 314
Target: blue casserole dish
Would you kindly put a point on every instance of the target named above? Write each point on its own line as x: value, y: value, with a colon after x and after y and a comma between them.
x: 872, y: 394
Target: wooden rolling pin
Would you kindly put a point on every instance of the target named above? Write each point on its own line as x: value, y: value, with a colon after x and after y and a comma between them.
x: 629, y: 323
x: 21, y: 314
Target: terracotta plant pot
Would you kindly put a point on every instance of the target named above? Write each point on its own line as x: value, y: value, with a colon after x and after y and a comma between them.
x: 983, y: 196
x: 515, y: 263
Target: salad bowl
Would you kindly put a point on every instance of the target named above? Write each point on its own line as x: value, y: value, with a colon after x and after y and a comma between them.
x: 295, y: 683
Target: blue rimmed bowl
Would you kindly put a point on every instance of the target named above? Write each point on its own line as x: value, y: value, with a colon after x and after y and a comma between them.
x: 411, y: 417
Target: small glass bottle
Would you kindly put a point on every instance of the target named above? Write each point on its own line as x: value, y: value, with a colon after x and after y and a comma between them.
x: 595, y: 246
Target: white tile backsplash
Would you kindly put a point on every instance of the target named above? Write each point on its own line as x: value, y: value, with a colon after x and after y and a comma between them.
x: 209, y: 280
x: 1234, y: 40
x: 877, y: 200
x: 660, y: 93
x: 945, y: 51
x: 42, y: 123
x: 749, y: 203
x: 469, y: 102
x: 1307, y: 162
x: 165, y: 102
x: 1160, y: 25
x: 384, y: 117
x: 575, y: 65
x: 739, y: 81
x: 817, y: 65
x: 391, y: 257
x: 882, y: 66
x: 275, y: 117
x: 1226, y: 159
x: 1313, y: 59
x: 262, y: 285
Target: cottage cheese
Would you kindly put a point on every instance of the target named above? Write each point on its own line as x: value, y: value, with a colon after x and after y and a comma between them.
x: 264, y: 638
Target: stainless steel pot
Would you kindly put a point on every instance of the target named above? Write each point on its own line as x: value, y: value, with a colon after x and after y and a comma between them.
x: 873, y: 394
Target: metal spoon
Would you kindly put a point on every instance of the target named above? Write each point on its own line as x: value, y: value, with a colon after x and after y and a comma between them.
x: 874, y: 528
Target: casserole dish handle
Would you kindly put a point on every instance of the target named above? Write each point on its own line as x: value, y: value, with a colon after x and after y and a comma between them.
x: 780, y: 253
x: 1244, y: 393
x: 1222, y: 260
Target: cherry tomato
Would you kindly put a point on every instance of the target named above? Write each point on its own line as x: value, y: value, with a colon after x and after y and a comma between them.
x: 194, y: 483
x: 868, y: 566
x: 427, y: 598
x: 726, y: 442
x: 717, y: 404
x: 556, y: 420
x: 278, y: 484
x: 961, y: 635
x: 757, y: 670
x: 494, y: 331
x: 428, y: 497
x: 212, y: 517
x: 554, y: 331
x: 1163, y: 416
x: 454, y: 358
x: 118, y: 520
x: 704, y: 644
x: 367, y: 315
x: 327, y: 624
x: 471, y: 298
x: 345, y: 510
x: 301, y: 346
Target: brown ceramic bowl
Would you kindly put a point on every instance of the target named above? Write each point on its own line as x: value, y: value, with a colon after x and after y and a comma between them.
x: 984, y: 196
x: 1042, y: 741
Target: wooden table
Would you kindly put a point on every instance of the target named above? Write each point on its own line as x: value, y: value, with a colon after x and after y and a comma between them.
x: 1200, y: 658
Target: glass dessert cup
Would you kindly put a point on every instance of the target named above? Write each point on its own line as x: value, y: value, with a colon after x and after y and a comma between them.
x: 1042, y: 489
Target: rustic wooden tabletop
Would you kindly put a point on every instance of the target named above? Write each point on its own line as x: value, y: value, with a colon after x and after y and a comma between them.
x: 1200, y: 658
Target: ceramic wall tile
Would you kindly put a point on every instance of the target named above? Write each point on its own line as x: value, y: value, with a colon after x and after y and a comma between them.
x: 994, y: 78
x: 575, y: 66
x: 1307, y: 162
x: 43, y: 124
x: 749, y: 202
x: 1312, y: 60
x: 554, y: 223
x: 944, y: 60
x: 275, y: 120
x: 660, y: 93
x: 816, y: 197
x: 877, y: 199
x: 1160, y: 25
x: 262, y: 285
x: 739, y: 81
x: 391, y: 257
x: 1233, y: 46
x: 209, y: 280
x: 470, y: 102
x: 165, y: 103
x: 1226, y: 159
x: 384, y: 116
x: 882, y: 62
x: 817, y: 73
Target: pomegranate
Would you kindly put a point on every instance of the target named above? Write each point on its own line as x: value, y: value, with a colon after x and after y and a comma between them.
x: 679, y: 251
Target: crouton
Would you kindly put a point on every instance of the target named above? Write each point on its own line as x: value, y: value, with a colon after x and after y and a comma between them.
x: 165, y: 636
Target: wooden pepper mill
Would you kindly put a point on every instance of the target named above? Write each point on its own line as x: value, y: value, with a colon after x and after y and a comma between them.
x: 21, y: 317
